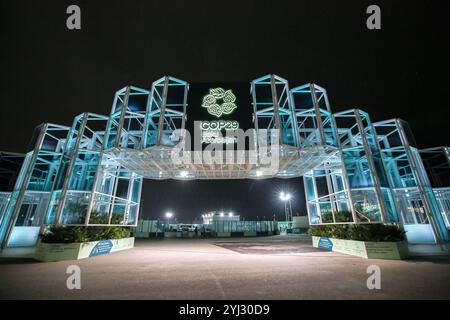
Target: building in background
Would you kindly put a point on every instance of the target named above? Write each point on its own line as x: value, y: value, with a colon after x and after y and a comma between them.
x: 211, y: 217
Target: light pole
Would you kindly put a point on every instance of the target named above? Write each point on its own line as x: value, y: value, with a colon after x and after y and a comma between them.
x: 168, y: 216
x: 286, y: 198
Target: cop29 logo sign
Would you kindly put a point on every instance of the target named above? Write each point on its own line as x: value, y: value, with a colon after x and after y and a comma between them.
x: 219, y: 102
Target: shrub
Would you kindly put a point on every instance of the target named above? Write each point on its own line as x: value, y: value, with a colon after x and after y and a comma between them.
x: 343, y: 216
x: 362, y: 232
x: 327, y: 217
x: 117, y: 218
x: 97, y: 217
x: 70, y: 234
x: 340, y: 216
x: 330, y: 231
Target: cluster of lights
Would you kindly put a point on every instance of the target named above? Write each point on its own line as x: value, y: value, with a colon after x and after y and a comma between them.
x: 222, y: 214
x: 285, y: 196
x: 207, y: 215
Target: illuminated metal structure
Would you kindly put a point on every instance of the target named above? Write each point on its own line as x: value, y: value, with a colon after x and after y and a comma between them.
x: 355, y: 171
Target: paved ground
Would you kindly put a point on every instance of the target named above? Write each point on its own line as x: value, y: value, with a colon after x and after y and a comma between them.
x: 257, y: 268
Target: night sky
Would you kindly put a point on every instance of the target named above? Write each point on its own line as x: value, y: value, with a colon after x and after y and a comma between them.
x: 51, y: 74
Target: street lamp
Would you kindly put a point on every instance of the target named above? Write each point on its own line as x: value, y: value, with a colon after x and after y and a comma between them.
x: 230, y: 214
x: 168, y: 216
x: 286, y: 198
x: 184, y: 174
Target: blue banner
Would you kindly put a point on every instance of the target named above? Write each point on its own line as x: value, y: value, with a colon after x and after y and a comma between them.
x: 325, y: 244
x: 101, y: 247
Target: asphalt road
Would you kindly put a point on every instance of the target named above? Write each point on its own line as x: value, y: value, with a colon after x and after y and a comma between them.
x: 256, y: 268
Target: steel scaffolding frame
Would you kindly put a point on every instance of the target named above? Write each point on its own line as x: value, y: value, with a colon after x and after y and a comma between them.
x: 354, y: 171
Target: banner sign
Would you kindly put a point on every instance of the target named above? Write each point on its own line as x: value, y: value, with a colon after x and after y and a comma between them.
x: 101, y: 247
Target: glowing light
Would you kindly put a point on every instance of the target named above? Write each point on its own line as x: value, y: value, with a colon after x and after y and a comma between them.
x: 169, y: 215
x: 221, y: 214
x: 184, y: 174
x: 285, y: 196
x: 258, y: 173
x: 218, y: 102
x: 230, y: 214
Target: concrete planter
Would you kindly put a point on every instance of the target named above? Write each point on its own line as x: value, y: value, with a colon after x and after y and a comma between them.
x: 170, y: 234
x: 75, y: 251
x: 370, y: 250
x: 223, y: 234
x: 189, y: 234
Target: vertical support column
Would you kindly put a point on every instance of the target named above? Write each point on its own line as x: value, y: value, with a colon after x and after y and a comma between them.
x: 68, y: 173
x: 276, y: 107
x: 122, y: 116
x: 345, y: 180
x: 376, y: 180
x: 114, y: 192
x: 183, y: 120
x: 294, y: 119
x: 94, y: 187
x: 163, y: 110
x: 138, y: 210
x: 318, y: 115
x: 18, y: 203
x: 440, y: 237
x: 390, y: 183
x: 327, y: 102
x: 147, y: 111
x: 316, y: 196
x: 331, y: 191
x: 255, y: 118
x: 126, y: 212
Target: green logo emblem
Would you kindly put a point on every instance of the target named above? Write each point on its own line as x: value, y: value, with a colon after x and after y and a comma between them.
x: 219, y: 102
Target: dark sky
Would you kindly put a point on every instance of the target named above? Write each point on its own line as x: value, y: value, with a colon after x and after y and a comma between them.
x: 51, y: 74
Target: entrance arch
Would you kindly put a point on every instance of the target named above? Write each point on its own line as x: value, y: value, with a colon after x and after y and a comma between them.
x: 355, y: 171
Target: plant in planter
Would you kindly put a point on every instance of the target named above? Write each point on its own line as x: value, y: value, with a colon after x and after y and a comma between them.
x: 330, y: 231
x: 361, y: 232
x: 117, y: 218
x: 377, y: 232
x: 327, y: 216
x: 79, y: 242
x: 376, y: 241
x: 73, y: 234
x: 340, y: 216
x: 77, y: 210
x: 97, y: 217
x: 343, y: 216
x: 116, y: 233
